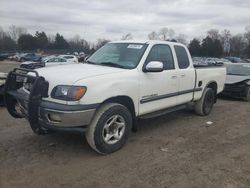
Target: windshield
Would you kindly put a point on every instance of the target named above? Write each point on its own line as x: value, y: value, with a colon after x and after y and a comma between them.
x: 121, y: 55
x: 237, y: 69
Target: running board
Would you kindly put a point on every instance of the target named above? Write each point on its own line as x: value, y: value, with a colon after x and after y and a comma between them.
x: 163, y: 112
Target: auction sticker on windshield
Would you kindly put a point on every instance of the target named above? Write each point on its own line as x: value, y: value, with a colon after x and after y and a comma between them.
x: 135, y: 46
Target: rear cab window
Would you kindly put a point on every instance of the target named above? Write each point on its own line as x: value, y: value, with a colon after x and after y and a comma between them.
x: 182, y: 57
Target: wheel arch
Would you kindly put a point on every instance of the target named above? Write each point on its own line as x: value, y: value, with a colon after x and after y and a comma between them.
x: 214, y: 86
x: 127, y: 102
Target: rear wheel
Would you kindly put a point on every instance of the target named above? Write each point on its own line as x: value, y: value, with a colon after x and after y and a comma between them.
x: 204, y: 106
x: 247, y: 97
x: 1, y: 95
x: 109, y: 130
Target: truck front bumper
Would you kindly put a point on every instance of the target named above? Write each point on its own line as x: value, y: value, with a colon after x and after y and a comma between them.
x: 53, y: 115
x: 43, y: 114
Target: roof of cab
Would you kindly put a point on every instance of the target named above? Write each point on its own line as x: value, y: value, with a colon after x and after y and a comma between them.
x: 152, y: 42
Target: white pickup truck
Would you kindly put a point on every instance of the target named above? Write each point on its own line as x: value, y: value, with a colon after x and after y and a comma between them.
x: 118, y: 84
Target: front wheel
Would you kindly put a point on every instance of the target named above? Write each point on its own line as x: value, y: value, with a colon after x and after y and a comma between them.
x: 109, y: 130
x: 204, y: 106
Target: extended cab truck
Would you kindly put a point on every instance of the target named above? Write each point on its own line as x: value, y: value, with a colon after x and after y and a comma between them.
x: 118, y: 84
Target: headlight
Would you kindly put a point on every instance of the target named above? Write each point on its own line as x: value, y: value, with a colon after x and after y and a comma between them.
x: 68, y: 93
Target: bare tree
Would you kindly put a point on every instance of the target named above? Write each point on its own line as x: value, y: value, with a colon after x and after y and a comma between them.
x: 15, y: 32
x: 100, y: 43
x: 214, y: 34
x: 76, y: 38
x: 181, y: 38
x: 51, y: 38
x: 247, y: 33
x: 238, y: 44
x: 2, y: 33
x: 225, y: 41
x: 127, y: 36
x: 171, y: 34
x: 166, y: 33
x: 153, y: 36
x: 163, y: 33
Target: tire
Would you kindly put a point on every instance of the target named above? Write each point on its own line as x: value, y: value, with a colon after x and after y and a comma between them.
x: 247, y: 98
x: 109, y: 118
x: 1, y: 96
x: 204, y: 106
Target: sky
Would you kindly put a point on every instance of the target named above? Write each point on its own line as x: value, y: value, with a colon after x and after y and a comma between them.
x: 111, y: 19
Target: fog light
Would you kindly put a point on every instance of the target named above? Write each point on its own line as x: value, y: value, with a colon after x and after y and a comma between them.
x: 54, y: 117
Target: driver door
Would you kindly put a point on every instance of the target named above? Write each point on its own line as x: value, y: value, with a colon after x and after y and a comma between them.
x: 158, y: 90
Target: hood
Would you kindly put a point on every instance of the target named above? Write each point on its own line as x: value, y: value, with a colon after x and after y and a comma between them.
x: 69, y: 74
x: 232, y: 79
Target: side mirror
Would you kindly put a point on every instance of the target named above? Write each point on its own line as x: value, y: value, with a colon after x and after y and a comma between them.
x: 86, y: 58
x: 154, y: 66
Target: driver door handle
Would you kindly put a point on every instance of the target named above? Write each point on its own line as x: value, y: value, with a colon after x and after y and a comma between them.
x: 174, y: 77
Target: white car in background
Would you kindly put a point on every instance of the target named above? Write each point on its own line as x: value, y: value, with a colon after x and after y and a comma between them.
x: 47, y: 62
x: 58, y: 61
x: 70, y: 58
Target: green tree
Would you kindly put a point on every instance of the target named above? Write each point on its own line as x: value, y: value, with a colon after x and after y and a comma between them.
x: 60, y: 42
x: 211, y: 48
x: 217, y: 49
x: 41, y: 40
x: 27, y: 42
x: 7, y: 44
x: 195, y: 47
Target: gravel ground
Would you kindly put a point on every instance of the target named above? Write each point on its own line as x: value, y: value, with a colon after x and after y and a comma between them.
x: 176, y: 150
x: 6, y: 66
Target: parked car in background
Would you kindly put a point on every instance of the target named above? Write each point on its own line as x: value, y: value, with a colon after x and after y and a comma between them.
x: 235, y: 59
x: 226, y: 61
x: 4, y: 56
x: 70, y: 58
x: 15, y: 57
x: 214, y: 61
x: 120, y: 83
x: 238, y: 81
x: 30, y: 57
x: 47, y: 62
x: 31, y: 65
x: 3, y: 77
x: 57, y: 61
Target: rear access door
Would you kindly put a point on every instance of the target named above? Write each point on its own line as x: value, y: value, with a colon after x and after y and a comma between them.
x: 186, y: 74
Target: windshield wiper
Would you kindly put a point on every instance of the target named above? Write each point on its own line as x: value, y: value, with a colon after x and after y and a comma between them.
x: 113, y: 65
x: 90, y: 62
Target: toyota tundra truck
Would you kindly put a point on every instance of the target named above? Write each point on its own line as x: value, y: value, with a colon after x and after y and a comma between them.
x: 106, y: 95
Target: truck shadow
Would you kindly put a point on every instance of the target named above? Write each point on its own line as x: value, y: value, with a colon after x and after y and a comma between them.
x: 228, y: 98
x: 72, y: 142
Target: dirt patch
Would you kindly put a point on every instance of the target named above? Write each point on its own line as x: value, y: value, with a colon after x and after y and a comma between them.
x: 6, y: 65
x: 176, y: 150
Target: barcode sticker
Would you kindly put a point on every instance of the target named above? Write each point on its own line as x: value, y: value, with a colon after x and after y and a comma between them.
x: 135, y: 46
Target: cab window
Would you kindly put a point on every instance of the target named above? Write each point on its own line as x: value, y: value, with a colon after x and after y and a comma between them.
x: 182, y: 57
x: 162, y: 53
